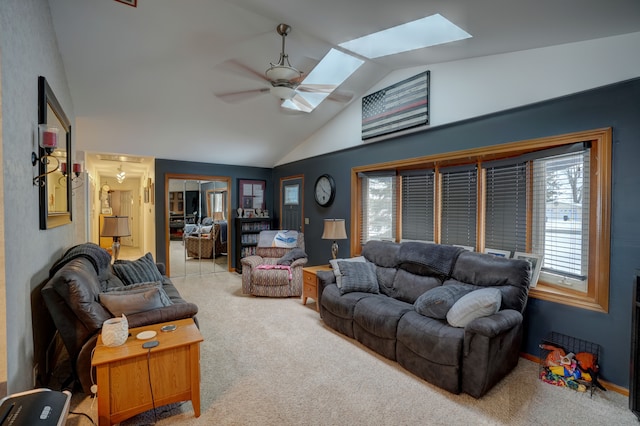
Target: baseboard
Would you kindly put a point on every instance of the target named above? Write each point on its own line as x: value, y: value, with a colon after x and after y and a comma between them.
x: 609, y: 386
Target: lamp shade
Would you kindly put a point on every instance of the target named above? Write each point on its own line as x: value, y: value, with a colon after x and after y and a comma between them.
x: 334, y: 230
x: 115, y: 226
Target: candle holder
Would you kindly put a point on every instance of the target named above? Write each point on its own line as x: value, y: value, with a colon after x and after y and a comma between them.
x: 48, y: 141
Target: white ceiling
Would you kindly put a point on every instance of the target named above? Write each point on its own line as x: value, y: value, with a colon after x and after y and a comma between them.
x: 143, y: 79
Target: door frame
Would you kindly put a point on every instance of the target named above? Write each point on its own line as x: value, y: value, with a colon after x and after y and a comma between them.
x: 167, y: 236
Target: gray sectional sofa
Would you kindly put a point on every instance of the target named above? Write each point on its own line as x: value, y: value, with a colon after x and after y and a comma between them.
x: 450, y: 316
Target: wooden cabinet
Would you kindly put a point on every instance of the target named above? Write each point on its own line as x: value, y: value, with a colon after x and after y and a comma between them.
x: 247, y: 232
x: 310, y: 283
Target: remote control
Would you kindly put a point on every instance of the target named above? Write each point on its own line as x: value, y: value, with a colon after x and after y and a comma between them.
x: 150, y: 344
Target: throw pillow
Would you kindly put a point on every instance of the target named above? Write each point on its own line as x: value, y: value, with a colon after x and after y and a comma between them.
x: 476, y: 304
x: 336, y: 268
x: 142, y: 287
x: 436, y: 302
x: 291, y: 256
x: 358, y: 276
x: 124, y: 302
x: 137, y: 271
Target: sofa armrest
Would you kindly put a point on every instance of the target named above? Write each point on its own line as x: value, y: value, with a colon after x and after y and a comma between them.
x: 495, y: 324
x: 299, y: 262
x: 491, y: 326
x: 251, y: 261
x: 324, y: 278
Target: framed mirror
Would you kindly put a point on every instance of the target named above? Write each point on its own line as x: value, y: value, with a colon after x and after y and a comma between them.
x: 55, y: 189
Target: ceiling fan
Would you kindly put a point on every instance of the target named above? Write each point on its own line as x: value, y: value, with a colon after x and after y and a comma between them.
x: 286, y: 83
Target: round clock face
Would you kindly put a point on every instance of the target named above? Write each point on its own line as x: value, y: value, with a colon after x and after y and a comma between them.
x: 325, y: 190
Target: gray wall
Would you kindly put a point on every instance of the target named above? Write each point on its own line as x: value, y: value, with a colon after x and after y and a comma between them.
x: 615, y: 106
x: 28, y: 48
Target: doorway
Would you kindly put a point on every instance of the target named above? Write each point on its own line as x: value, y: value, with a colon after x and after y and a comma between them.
x: 198, y: 235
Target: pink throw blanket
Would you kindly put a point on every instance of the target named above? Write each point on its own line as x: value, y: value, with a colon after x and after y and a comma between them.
x: 288, y: 268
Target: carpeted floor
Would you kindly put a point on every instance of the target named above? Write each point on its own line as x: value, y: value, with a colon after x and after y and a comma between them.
x: 273, y: 362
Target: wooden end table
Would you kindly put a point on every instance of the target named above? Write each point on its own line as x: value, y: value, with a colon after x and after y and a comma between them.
x: 310, y: 283
x: 123, y: 378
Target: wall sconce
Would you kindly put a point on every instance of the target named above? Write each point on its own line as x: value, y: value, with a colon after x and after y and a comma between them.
x: 48, y: 140
x: 76, y: 170
x: 334, y: 229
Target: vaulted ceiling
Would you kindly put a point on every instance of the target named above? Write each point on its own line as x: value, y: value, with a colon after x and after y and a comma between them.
x: 143, y: 80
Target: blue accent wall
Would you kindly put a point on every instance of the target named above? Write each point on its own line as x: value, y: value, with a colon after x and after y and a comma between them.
x: 616, y: 106
x: 164, y: 167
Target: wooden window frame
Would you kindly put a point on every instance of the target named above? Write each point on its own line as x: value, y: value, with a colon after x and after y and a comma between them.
x: 597, y: 296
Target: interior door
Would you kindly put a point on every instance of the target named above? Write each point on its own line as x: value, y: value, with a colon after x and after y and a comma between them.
x: 291, y: 206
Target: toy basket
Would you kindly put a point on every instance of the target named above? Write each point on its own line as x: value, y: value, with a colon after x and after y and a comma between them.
x: 569, y: 362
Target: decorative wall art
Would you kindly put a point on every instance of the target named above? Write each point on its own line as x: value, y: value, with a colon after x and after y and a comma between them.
x: 251, y: 194
x: 398, y: 107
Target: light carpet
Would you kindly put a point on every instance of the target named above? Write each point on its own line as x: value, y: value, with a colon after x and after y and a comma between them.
x: 273, y: 362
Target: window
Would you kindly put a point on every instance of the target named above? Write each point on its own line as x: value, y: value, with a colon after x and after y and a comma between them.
x: 417, y: 205
x: 560, y: 225
x: 549, y: 196
x: 379, y: 207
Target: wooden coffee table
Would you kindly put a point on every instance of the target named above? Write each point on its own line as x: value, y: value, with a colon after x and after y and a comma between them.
x: 123, y: 376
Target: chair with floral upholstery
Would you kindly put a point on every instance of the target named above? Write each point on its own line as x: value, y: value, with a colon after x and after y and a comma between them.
x: 276, y: 268
x: 201, y: 245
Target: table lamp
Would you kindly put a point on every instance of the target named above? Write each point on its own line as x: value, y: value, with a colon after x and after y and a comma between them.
x: 116, y: 227
x: 334, y: 230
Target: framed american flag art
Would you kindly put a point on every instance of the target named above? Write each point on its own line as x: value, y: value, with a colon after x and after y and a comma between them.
x: 398, y: 107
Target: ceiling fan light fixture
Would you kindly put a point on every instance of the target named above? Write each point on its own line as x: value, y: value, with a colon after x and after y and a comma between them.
x: 282, y: 73
x: 283, y: 92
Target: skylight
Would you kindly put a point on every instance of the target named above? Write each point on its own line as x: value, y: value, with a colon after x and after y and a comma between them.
x: 330, y: 73
x: 429, y: 31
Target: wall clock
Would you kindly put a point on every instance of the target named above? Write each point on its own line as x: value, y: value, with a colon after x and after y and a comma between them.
x: 325, y: 190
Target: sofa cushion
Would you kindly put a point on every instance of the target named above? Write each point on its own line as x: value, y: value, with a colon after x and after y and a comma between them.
x: 386, y: 277
x: 382, y: 253
x: 428, y: 259
x: 512, y: 276
x: 476, y: 304
x: 134, y: 301
x: 379, y: 315
x: 142, y: 287
x: 291, y: 256
x: 341, y: 305
x: 336, y: 267
x: 358, y: 276
x: 431, y: 339
x: 436, y: 302
x: 137, y: 271
x: 408, y: 287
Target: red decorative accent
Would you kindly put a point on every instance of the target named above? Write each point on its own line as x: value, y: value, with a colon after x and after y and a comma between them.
x: 49, y: 139
x: 63, y: 168
x: 77, y: 168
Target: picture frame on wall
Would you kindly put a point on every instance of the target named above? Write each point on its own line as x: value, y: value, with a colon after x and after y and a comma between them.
x: 536, y: 265
x: 251, y: 194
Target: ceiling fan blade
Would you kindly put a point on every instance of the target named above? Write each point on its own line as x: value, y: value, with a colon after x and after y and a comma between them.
x: 316, y: 88
x: 235, y: 97
x: 237, y: 68
x: 342, y: 97
x: 301, y: 104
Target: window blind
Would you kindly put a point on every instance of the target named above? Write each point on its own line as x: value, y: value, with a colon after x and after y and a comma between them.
x: 417, y: 205
x: 459, y: 203
x: 506, y: 207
